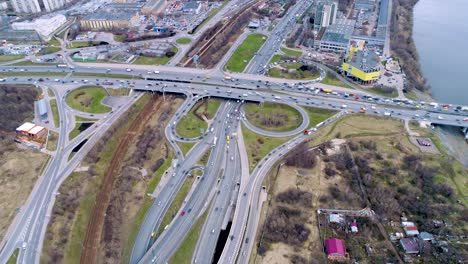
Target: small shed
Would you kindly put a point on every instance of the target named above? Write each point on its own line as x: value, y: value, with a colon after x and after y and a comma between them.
x: 410, y: 245
x: 354, y: 227
x: 425, y: 236
x: 336, y: 249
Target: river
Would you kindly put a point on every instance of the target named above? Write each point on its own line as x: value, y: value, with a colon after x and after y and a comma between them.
x: 440, y: 32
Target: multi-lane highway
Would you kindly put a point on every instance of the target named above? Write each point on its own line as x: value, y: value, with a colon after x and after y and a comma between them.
x: 227, y: 190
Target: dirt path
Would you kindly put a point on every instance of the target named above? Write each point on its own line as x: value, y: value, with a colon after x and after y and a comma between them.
x: 92, y: 238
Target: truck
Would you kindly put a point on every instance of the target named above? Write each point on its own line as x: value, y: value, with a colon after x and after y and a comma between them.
x: 62, y: 66
x: 327, y: 91
x: 2, y: 80
x: 307, y: 132
x: 227, y: 77
x: 387, y: 114
x: 214, y: 141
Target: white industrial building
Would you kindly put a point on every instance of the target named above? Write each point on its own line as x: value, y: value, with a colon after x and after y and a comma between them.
x: 37, y: 6
x: 44, y: 26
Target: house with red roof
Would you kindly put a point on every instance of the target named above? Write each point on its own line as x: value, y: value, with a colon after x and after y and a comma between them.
x: 336, y: 250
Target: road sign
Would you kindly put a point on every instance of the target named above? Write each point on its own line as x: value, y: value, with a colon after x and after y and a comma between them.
x: 195, y: 58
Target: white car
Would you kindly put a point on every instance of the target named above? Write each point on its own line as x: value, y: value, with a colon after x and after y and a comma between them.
x: 129, y: 70
x: 440, y: 117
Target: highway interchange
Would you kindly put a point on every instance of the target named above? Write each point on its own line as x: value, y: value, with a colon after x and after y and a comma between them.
x: 226, y: 190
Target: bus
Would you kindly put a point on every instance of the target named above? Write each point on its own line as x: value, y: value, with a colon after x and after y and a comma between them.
x: 62, y: 66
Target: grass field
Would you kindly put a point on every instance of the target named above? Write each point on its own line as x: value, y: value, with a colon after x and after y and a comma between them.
x: 186, y: 146
x: 32, y: 63
x: 278, y: 57
x: 48, y: 50
x: 378, y: 91
x: 183, y: 41
x: 19, y: 170
x: 88, y: 99
x: 13, y: 258
x: 5, y: 58
x: 55, y: 114
x: 190, y: 125
x: 277, y: 72
x: 317, y: 115
x: 79, y: 127
x: 119, y: 37
x: 291, y: 52
x: 331, y: 80
x: 142, y: 60
x: 272, y: 116
x: 259, y: 146
x: 184, y: 253
x: 82, y: 44
x: 244, y: 53
x: 140, y: 216
x: 411, y: 95
x: 52, y: 141
x: 86, y: 188
x: 118, y: 91
x: 53, y: 42
x: 27, y: 73
x: 84, y: 119
x: 176, y: 204
x: 106, y: 75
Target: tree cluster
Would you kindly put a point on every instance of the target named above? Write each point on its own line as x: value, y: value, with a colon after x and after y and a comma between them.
x: 302, y: 157
x: 16, y: 105
x: 295, y: 197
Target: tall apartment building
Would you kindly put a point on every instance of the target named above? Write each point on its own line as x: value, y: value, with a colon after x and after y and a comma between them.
x: 37, y: 6
x: 325, y: 14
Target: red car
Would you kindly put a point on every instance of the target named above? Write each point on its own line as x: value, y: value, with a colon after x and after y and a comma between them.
x: 183, y: 213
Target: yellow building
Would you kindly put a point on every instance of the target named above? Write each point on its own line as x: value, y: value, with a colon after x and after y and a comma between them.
x: 362, y: 65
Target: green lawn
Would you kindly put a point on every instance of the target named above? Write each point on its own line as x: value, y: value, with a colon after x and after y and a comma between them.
x: 184, y: 253
x: 140, y: 216
x: 32, y: 63
x: 50, y: 92
x: 84, y: 119
x: 411, y: 95
x: 277, y: 72
x: 48, y: 50
x: 278, y: 57
x: 267, y: 115
x: 55, y: 114
x: 79, y: 127
x: 176, y: 204
x: 378, y: 91
x: 88, y: 99
x: 53, y: 42
x: 190, y: 125
x: 331, y: 80
x: 106, y: 75
x: 143, y: 60
x: 119, y: 37
x: 183, y: 41
x: 209, y: 17
x: 291, y: 52
x: 5, y: 58
x: 186, y: 146
x: 317, y: 115
x: 52, y: 140
x: 13, y: 258
x: 259, y: 146
x: 82, y: 44
x: 244, y: 53
x: 27, y: 73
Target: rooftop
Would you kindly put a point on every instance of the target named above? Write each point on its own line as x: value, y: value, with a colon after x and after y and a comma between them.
x: 25, y: 127
x: 340, y: 31
x: 335, y: 247
x: 364, y: 60
x: 409, y: 244
x: 35, y: 130
x: 109, y: 16
x: 191, y: 5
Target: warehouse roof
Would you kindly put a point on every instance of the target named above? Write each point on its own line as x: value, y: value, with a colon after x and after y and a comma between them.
x: 383, y: 13
x: 335, y: 247
x: 35, y: 130
x: 364, y: 60
x: 109, y: 16
x: 25, y: 127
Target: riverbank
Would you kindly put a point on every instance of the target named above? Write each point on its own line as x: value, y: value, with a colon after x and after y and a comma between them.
x: 402, y: 45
